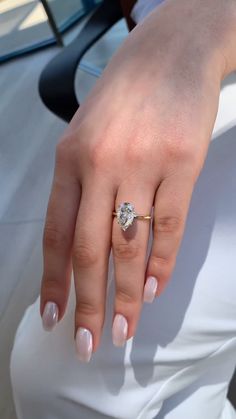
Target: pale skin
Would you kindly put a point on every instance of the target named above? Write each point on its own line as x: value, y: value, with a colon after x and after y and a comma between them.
x: 141, y: 136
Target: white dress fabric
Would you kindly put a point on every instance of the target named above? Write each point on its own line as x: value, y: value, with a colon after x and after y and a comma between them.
x: 181, y: 360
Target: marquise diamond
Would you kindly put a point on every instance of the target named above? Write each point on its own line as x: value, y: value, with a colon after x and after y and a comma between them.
x: 125, y: 215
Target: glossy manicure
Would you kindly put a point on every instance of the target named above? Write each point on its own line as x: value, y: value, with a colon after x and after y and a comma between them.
x: 50, y: 316
x: 84, y: 344
x: 150, y: 289
x: 119, y: 330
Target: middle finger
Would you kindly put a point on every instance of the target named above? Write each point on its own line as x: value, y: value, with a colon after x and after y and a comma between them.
x: 90, y: 262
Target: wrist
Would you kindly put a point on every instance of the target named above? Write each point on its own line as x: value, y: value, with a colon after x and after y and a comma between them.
x: 217, y: 21
x: 210, y: 26
x: 222, y: 25
x: 228, y: 46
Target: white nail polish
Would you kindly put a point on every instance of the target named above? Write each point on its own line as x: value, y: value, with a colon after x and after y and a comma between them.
x: 150, y: 289
x: 119, y: 330
x: 84, y: 344
x: 50, y: 316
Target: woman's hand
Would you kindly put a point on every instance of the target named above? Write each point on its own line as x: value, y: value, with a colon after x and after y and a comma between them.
x: 141, y: 136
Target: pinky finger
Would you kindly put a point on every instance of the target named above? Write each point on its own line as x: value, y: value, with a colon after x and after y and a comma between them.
x: 57, y: 244
x: 170, y: 212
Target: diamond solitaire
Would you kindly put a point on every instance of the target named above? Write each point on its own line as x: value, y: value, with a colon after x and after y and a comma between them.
x: 126, y: 215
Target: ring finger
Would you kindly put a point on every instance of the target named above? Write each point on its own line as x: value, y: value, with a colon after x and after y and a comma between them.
x: 129, y: 249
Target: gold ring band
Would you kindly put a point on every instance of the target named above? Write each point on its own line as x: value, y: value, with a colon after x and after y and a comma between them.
x: 144, y: 217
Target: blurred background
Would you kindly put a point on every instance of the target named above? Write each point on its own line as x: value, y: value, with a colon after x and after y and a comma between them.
x: 27, y: 25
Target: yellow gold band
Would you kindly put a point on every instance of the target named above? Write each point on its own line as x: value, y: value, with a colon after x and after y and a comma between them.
x: 145, y: 217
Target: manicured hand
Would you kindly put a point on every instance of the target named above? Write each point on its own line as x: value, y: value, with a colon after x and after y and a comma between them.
x: 141, y: 136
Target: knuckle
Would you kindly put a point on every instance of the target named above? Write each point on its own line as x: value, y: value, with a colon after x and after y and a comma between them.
x: 177, y: 139
x: 68, y: 151
x: 162, y: 266
x: 63, y: 149
x: 84, y: 254
x: 98, y: 155
x: 167, y: 224
x: 53, y: 238
x: 125, y: 296
x: 135, y: 154
x: 126, y: 251
x: 86, y: 308
x: 180, y: 149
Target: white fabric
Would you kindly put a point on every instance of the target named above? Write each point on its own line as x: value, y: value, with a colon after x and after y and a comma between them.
x: 183, y: 355
x: 181, y: 360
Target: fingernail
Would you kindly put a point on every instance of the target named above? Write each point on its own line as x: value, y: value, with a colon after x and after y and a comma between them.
x: 150, y: 289
x: 119, y: 330
x: 84, y: 344
x: 50, y: 316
